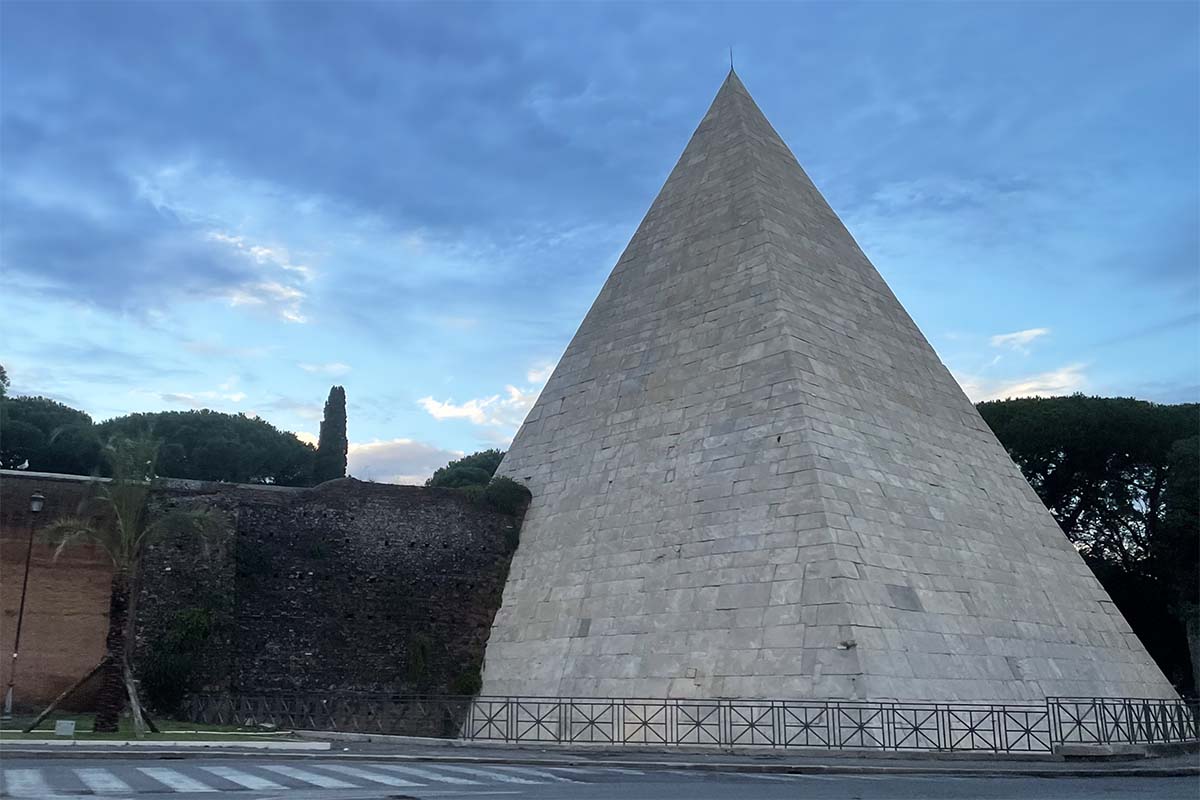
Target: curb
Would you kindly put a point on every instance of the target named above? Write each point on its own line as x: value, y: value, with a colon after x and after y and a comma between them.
x: 53, y: 745
x: 1098, y: 771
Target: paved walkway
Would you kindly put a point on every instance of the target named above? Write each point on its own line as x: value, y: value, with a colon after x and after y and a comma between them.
x: 811, y: 763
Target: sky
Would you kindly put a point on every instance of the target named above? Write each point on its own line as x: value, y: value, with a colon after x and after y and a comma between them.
x: 236, y: 205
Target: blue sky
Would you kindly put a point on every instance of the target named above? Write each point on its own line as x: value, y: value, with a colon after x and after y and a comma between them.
x: 236, y: 205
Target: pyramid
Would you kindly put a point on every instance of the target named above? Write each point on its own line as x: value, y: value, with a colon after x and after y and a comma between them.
x: 752, y: 477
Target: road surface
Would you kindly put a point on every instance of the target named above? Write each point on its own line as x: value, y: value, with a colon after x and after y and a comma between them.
x: 260, y: 777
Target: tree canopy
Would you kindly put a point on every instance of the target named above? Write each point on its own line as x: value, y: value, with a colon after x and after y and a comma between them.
x: 44, y: 435
x: 476, y: 469
x: 1100, y: 464
x: 212, y: 446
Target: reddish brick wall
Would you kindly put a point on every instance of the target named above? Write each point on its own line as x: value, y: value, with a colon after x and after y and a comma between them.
x: 66, y: 604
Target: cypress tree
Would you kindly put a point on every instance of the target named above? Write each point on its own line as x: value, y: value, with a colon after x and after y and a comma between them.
x: 332, y: 443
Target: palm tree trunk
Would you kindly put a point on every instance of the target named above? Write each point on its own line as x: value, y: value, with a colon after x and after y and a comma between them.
x: 70, y: 690
x: 110, y: 700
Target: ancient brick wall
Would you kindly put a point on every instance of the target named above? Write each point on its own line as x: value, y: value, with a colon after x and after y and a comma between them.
x: 66, y: 603
x: 346, y: 586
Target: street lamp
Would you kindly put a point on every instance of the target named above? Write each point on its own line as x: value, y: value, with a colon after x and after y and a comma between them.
x: 37, y: 501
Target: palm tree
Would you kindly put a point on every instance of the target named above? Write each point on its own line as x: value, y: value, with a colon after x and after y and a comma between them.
x: 119, y: 519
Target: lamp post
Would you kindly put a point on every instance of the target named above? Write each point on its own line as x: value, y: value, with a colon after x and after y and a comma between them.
x: 37, y: 501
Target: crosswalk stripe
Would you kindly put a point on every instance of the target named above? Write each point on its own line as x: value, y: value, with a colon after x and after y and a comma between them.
x: 577, y: 770
x: 537, y: 773
x: 26, y: 783
x: 243, y: 778
x: 316, y: 779
x: 489, y: 774
x: 176, y: 781
x: 367, y: 775
x: 101, y: 781
x: 426, y: 774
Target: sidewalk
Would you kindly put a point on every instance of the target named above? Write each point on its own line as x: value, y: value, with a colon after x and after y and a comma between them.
x: 402, y: 749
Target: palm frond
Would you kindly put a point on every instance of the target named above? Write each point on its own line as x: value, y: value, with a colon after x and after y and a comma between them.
x: 66, y: 530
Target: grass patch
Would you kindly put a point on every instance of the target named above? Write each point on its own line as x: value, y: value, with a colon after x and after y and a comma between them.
x: 11, y: 730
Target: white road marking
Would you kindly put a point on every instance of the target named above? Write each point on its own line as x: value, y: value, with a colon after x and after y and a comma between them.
x: 489, y: 774
x: 26, y: 783
x: 243, y: 778
x: 759, y: 777
x: 537, y: 773
x: 367, y: 775
x: 324, y: 781
x: 101, y: 781
x: 176, y: 781
x: 426, y: 774
x: 578, y: 770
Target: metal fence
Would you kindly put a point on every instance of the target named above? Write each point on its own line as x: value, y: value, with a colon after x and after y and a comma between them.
x: 831, y: 725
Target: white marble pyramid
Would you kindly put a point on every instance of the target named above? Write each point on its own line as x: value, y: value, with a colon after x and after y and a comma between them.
x: 752, y: 477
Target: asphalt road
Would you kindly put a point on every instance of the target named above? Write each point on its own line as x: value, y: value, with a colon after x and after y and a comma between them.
x: 261, y: 777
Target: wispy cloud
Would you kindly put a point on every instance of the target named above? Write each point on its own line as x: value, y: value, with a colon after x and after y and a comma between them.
x: 279, y: 298
x: 275, y: 256
x: 215, y: 348
x: 202, y: 399
x: 397, y: 460
x: 497, y: 411
x: 281, y: 293
x: 501, y: 413
x: 539, y: 375
x: 1018, y: 340
x: 1064, y: 380
x: 333, y: 368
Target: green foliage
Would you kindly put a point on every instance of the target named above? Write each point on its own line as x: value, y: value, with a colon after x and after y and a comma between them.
x: 208, y: 445
x: 50, y: 436
x: 332, y: 444
x: 73, y: 450
x: 469, y: 681
x: 117, y: 516
x: 48, y: 415
x: 420, y: 651
x: 500, y: 494
x: 1098, y: 463
x: 200, y: 445
x: 473, y: 470
x: 1176, y: 549
x: 21, y: 444
x: 3, y: 382
x: 318, y: 550
x: 506, y: 496
x: 171, y: 661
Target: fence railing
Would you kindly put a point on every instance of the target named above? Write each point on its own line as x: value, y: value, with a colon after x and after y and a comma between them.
x: 833, y: 725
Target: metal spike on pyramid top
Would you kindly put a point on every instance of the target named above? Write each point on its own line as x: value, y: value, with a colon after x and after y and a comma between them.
x: 752, y: 477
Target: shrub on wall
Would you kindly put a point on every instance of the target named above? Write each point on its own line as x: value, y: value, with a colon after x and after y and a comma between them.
x: 506, y: 496
x: 170, y: 663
